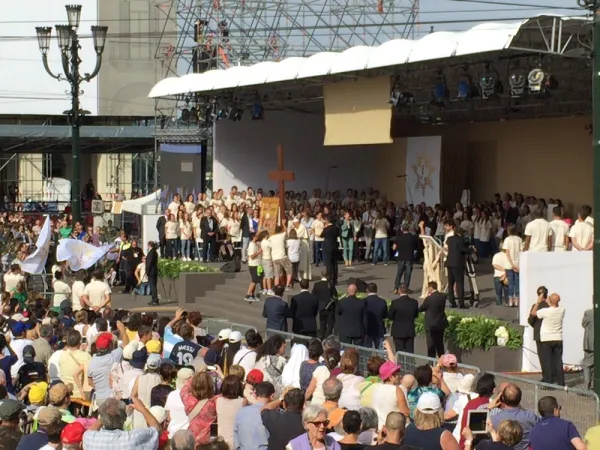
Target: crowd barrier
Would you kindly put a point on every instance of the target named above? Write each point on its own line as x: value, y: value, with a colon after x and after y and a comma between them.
x: 213, y: 326
x: 577, y: 405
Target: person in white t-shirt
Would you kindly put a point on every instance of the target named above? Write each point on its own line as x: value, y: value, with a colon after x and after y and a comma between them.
x: 62, y: 291
x: 77, y: 291
x: 281, y: 263
x: 381, y: 226
x: 266, y: 262
x: 317, y: 226
x: 12, y: 278
x: 501, y: 264
x: 551, y: 337
x: 246, y: 356
x: 512, y: 246
x: 538, y: 234
x: 254, y: 259
x: 97, y: 293
x: 293, y: 249
x: 587, y: 209
x: 582, y: 233
x: 560, y: 231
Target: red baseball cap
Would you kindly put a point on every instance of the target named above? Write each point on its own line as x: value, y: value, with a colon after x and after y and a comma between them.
x: 255, y: 376
x: 104, y: 341
x: 72, y: 433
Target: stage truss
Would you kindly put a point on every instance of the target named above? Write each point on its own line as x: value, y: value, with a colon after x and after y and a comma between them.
x: 213, y: 34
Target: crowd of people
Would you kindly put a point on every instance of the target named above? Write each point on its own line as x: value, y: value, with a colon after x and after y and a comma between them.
x: 101, y: 379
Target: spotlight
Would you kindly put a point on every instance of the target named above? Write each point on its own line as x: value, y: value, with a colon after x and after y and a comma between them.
x: 536, y: 80
x: 399, y: 98
x: 440, y: 93
x: 193, y: 114
x: 517, y: 84
x: 488, y: 84
x: 257, y: 111
x: 236, y: 115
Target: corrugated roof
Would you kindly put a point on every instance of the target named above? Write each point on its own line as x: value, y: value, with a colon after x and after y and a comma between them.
x: 486, y: 37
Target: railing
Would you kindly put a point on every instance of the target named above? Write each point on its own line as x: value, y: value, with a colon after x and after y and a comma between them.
x: 579, y: 406
x: 433, y: 264
x: 213, y: 326
x: 410, y: 362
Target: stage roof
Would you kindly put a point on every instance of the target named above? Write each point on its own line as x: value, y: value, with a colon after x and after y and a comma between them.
x: 545, y: 34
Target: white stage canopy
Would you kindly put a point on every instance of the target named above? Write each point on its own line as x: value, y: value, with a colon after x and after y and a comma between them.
x: 483, y: 38
x: 150, y: 204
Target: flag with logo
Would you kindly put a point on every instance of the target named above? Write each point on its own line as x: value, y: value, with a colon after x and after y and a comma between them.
x: 80, y: 255
x: 36, y: 262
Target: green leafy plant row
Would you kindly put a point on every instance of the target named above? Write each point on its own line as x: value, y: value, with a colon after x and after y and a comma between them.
x: 173, y: 268
x: 471, y: 332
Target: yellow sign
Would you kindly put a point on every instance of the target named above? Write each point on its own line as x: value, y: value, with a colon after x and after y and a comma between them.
x: 269, y: 214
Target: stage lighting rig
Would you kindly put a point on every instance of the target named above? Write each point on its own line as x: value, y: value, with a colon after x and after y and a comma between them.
x: 257, y: 111
x: 399, y: 98
x: 517, y: 82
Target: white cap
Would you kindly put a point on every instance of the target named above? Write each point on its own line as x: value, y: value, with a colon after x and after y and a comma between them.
x: 19, y: 317
x: 159, y: 413
x: 429, y: 403
x: 183, y: 375
x: 46, y: 321
x: 235, y: 336
x: 224, y: 334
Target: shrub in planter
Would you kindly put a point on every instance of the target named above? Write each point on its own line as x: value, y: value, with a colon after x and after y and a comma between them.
x: 173, y: 268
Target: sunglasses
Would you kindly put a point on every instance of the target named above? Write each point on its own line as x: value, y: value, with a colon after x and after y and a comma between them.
x: 318, y: 423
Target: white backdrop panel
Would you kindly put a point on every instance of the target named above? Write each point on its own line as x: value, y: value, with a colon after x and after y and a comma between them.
x: 423, y: 163
x: 245, y: 152
x: 568, y: 274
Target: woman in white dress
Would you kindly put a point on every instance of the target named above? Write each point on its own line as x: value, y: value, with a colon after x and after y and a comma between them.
x: 304, y: 268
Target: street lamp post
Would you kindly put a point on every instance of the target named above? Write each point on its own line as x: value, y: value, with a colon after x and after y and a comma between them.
x: 68, y: 43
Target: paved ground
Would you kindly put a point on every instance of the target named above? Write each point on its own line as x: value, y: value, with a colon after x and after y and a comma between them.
x: 381, y: 275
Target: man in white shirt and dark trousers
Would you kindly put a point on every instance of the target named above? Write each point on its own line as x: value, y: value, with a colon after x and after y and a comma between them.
x: 552, y: 338
x: 582, y: 232
x: 560, y: 231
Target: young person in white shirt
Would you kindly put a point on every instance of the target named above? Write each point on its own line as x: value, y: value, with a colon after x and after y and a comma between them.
x: 485, y: 235
x: 538, y: 234
x: 185, y: 230
x: 62, y: 291
x: 266, y: 262
x: 582, y: 233
x: 512, y: 246
x: 560, y: 231
x: 551, y: 337
x: 12, y: 278
x: 501, y: 264
x: 381, y: 226
x: 318, y: 226
x: 77, y: 290
x: 281, y: 263
x: 293, y: 249
x: 254, y: 261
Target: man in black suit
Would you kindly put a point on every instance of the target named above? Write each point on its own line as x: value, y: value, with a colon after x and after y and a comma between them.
x: 209, y: 229
x: 436, y: 321
x: 406, y: 245
x: 304, y: 309
x: 276, y: 310
x: 352, y: 318
x: 152, y: 272
x: 456, y: 263
x: 325, y: 294
x: 377, y: 312
x: 330, y: 235
x: 160, y: 227
x: 403, y: 313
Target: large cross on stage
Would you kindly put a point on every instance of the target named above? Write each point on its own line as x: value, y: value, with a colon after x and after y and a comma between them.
x: 281, y: 176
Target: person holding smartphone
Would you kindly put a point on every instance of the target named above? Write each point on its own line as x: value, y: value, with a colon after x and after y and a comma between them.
x: 506, y: 437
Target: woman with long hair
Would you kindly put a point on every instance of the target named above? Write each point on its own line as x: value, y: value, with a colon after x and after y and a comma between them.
x: 189, y: 204
x: 228, y: 405
x: 270, y: 360
x: 320, y: 374
x: 171, y: 228
x: 159, y: 393
x: 185, y: 229
x: 308, y: 367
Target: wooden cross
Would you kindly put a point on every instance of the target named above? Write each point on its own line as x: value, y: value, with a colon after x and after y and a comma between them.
x: 281, y: 176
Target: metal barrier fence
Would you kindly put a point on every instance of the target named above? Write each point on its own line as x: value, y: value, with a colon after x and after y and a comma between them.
x: 410, y: 362
x: 579, y: 406
x: 213, y: 326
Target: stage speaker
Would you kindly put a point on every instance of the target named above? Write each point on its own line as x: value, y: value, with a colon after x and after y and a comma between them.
x: 361, y: 286
x: 235, y: 265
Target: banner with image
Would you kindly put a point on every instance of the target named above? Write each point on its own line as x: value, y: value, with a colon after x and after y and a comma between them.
x: 423, y: 167
x: 79, y: 254
x: 269, y: 214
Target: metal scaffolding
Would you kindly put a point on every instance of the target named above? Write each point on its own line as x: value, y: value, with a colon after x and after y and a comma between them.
x: 213, y: 34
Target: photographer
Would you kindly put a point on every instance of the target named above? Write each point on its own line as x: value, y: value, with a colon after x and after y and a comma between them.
x: 456, y: 263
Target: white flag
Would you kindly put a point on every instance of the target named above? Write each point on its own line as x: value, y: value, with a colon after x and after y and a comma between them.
x: 79, y: 254
x: 36, y: 262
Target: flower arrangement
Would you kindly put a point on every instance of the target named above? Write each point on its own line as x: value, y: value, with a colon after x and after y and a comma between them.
x: 173, y: 268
